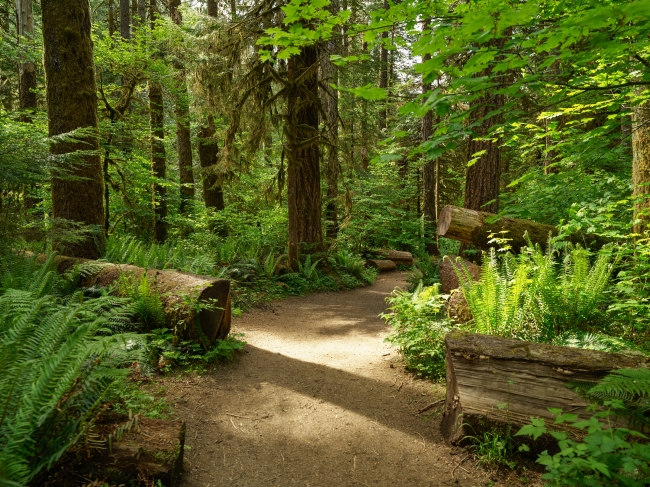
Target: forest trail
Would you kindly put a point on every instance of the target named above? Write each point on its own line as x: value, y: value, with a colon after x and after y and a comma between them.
x: 317, y: 399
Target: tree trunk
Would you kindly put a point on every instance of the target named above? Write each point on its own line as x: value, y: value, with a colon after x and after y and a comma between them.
x: 331, y: 103
x: 111, y: 18
x: 641, y: 166
x: 383, y: 76
x: 472, y: 227
x: 382, y: 265
x: 213, y: 8
x: 183, y: 137
x: 304, y: 196
x: 142, y: 11
x: 482, y: 183
x: 26, y: 70
x: 72, y: 104
x: 492, y: 380
x: 125, y: 19
x: 208, y: 152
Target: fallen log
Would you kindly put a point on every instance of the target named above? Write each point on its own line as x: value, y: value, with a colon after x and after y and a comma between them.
x: 146, y: 452
x: 382, y: 265
x: 475, y: 227
x: 196, y: 307
x: 492, y: 380
x: 397, y: 256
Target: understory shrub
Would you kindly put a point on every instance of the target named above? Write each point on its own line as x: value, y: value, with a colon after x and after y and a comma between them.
x: 419, y: 326
x: 607, y: 455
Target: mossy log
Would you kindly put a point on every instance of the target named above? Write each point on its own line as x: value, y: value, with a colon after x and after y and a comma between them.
x: 492, y: 380
x: 475, y: 227
x: 196, y: 307
x: 397, y: 256
x: 382, y: 265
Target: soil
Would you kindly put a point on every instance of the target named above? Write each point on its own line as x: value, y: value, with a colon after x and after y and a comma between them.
x: 318, y: 398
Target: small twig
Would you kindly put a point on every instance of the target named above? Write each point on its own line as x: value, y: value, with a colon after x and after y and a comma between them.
x: 233, y: 424
x: 458, y: 465
x: 237, y: 416
x: 400, y: 386
x: 363, y: 483
x: 431, y: 406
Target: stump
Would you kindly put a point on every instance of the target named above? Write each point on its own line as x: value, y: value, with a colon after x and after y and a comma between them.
x: 382, y: 265
x: 450, y: 265
x: 196, y: 307
x: 492, y: 380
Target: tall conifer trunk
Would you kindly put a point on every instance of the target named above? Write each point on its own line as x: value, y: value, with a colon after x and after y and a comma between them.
x: 158, y: 158
x: 72, y: 104
x: 641, y: 166
x: 383, y: 76
x: 304, y: 196
x: 125, y: 19
x: 430, y: 170
x: 26, y: 70
x: 331, y: 105
x: 183, y: 137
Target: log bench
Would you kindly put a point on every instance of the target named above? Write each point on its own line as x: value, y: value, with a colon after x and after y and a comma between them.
x: 493, y: 380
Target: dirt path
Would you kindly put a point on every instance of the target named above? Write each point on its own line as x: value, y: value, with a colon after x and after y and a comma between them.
x: 317, y: 399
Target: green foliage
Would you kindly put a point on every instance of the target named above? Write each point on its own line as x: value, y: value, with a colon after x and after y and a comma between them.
x: 58, y: 360
x: 493, y: 449
x: 419, y: 326
x: 164, y: 354
x: 308, y: 268
x: 534, y: 297
x: 424, y: 271
x: 146, y: 304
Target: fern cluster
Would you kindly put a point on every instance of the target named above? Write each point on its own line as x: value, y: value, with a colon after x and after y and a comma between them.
x: 535, y: 296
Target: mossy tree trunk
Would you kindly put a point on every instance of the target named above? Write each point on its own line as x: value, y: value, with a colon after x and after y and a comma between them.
x: 212, y: 8
x: 125, y: 19
x: 301, y: 134
x: 26, y: 70
x: 71, y: 105
x: 158, y: 156
x: 182, y: 111
x: 641, y: 166
x: 383, y: 75
x: 329, y: 75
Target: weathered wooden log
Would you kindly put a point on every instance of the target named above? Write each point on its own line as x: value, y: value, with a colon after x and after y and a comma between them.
x: 382, y: 265
x: 474, y: 227
x: 397, y: 256
x: 141, y: 451
x: 449, y: 266
x: 498, y: 380
x: 196, y: 307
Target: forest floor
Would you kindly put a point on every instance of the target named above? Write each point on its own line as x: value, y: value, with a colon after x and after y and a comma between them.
x: 318, y: 398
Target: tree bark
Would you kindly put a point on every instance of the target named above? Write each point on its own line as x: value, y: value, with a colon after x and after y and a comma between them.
x: 183, y: 137
x: 382, y: 265
x: 71, y: 96
x: 383, y: 76
x: 125, y: 19
x: 26, y: 70
x: 492, y: 380
x: 473, y: 227
x: 208, y: 153
x: 641, y: 166
x: 111, y: 18
x: 304, y: 196
x: 142, y: 11
x: 213, y: 8
x: 331, y: 103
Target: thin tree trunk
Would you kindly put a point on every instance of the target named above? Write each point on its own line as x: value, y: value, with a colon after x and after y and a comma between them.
x: 158, y: 159
x: 208, y: 153
x: 233, y: 10
x: 26, y: 70
x: 125, y: 19
x: 383, y: 76
x: 213, y: 8
x: 304, y: 196
x: 183, y: 137
x: 331, y: 99
x: 641, y: 166
x: 68, y: 55
x: 429, y: 170
x: 111, y: 18
x: 142, y: 11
